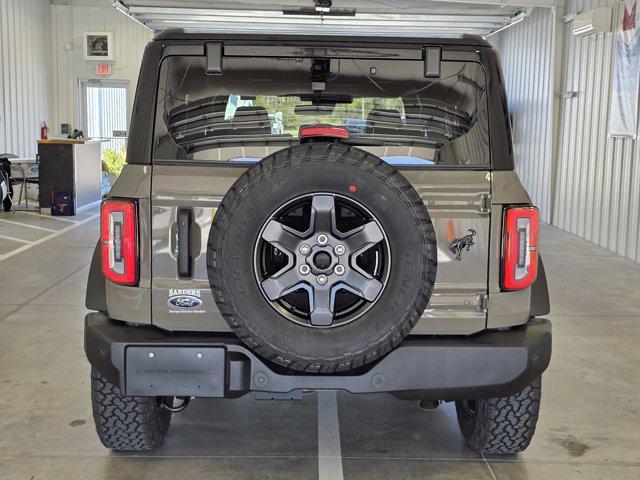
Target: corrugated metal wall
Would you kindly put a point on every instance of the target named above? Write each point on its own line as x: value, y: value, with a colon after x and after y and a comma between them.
x: 590, y: 186
x: 24, y: 74
x: 69, y: 65
x: 526, y: 54
x: 598, y: 179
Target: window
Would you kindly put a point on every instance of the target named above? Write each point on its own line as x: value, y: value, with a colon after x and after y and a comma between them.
x: 258, y: 105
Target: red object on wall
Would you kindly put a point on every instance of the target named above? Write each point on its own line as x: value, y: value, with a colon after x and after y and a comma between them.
x: 44, y: 131
x: 103, y: 69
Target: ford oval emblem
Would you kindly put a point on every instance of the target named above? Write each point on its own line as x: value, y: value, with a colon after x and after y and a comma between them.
x: 184, y: 301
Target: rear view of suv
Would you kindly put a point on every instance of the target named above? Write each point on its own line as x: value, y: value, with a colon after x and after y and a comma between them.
x: 377, y: 239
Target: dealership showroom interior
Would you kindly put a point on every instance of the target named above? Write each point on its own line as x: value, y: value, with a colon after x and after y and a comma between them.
x: 319, y: 239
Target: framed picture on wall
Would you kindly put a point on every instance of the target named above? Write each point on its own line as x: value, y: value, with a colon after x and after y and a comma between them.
x: 98, y: 46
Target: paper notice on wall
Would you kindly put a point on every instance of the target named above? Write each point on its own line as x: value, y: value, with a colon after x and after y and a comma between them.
x: 626, y: 75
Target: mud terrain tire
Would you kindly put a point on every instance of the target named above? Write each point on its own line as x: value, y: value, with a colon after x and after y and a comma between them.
x: 503, y: 425
x: 126, y: 423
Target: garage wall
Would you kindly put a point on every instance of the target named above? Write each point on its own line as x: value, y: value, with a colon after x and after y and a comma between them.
x: 24, y: 74
x: 526, y: 52
x: 69, y: 25
x: 598, y: 179
x: 588, y: 184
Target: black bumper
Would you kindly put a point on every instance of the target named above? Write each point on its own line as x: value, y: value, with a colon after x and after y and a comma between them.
x: 147, y: 361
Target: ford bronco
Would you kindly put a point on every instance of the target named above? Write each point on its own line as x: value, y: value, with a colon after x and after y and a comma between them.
x: 304, y: 213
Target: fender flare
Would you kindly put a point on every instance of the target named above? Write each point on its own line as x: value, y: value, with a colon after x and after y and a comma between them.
x: 96, y: 297
x: 540, y: 304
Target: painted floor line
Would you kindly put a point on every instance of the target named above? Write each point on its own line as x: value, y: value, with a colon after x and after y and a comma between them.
x: 486, y: 462
x: 12, y: 222
x: 55, y: 234
x: 329, y: 450
x: 49, y: 217
x: 28, y: 302
x: 14, y: 239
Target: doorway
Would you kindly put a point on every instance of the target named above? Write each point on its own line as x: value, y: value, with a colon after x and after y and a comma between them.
x: 104, y: 111
x: 103, y: 114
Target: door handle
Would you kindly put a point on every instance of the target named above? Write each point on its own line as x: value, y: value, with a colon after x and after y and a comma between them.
x: 184, y: 243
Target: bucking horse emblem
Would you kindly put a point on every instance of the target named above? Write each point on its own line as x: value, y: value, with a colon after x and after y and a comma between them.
x: 459, y: 244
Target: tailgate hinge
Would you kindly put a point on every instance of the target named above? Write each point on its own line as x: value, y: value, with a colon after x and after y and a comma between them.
x: 485, y: 203
x: 482, y: 301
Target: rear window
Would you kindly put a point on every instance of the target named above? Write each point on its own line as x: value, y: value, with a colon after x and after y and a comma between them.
x: 258, y: 105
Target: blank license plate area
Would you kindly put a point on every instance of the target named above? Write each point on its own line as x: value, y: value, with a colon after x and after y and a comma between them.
x: 175, y: 371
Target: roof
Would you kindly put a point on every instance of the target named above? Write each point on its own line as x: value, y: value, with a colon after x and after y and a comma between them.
x: 182, y: 34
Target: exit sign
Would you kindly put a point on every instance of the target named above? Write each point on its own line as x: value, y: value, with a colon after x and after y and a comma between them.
x: 103, y: 69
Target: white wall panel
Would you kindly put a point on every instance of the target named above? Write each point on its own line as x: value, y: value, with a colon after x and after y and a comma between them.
x: 25, y: 81
x: 598, y: 178
x: 69, y: 65
x: 526, y: 52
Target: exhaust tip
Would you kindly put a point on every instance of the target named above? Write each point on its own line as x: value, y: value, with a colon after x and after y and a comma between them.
x: 429, y: 405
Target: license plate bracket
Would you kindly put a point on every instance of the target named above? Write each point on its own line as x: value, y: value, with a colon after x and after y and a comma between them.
x: 175, y: 371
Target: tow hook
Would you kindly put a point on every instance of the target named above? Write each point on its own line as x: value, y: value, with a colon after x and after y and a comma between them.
x: 428, y: 405
x: 172, y: 407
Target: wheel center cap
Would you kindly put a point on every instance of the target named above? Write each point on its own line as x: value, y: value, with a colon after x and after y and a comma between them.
x: 322, y: 260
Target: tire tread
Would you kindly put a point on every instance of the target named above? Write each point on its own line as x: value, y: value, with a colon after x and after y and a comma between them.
x: 502, y: 425
x: 126, y: 423
x: 328, y: 154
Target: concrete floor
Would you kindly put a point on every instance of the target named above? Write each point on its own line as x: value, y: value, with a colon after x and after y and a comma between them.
x: 589, y: 424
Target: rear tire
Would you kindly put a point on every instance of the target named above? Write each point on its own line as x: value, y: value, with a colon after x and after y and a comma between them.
x: 503, y: 425
x: 127, y: 423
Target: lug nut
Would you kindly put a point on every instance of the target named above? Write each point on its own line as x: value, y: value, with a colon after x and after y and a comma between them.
x: 322, y: 239
x: 304, y: 269
x: 339, y: 249
x: 321, y: 279
x: 305, y: 249
x: 339, y: 270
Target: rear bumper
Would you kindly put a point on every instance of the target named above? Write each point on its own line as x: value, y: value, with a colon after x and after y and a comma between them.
x: 149, y: 362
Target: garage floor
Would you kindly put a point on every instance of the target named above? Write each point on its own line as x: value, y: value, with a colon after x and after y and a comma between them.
x: 589, y: 425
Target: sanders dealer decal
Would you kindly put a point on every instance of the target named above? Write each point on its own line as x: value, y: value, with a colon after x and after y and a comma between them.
x: 184, y: 301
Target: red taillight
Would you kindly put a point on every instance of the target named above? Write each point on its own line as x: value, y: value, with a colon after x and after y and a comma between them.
x: 520, y: 247
x: 119, y: 241
x: 330, y: 131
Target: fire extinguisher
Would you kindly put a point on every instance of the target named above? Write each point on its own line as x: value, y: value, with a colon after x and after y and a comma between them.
x: 44, y: 131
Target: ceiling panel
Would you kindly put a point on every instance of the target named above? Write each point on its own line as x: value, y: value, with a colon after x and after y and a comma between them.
x: 379, y: 17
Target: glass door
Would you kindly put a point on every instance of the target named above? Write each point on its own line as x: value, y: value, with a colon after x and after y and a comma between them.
x: 104, y: 117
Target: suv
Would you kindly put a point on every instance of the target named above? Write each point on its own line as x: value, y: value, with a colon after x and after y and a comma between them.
x: 400, y: 257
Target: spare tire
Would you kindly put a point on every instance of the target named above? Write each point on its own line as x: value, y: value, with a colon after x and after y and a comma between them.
x: 322, y: 257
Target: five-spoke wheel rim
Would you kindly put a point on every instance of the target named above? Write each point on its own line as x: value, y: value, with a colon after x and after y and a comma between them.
x: 322, y: 260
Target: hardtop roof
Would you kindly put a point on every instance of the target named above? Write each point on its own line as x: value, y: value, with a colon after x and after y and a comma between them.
x: 182, y: 35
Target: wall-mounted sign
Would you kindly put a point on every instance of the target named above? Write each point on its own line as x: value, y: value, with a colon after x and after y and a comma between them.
x: 98, y: 46
x: 119, y: 134
x: 626, y: 75
x: 103, y: 69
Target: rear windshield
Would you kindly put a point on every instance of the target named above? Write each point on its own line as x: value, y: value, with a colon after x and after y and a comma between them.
x: 258, y: 105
